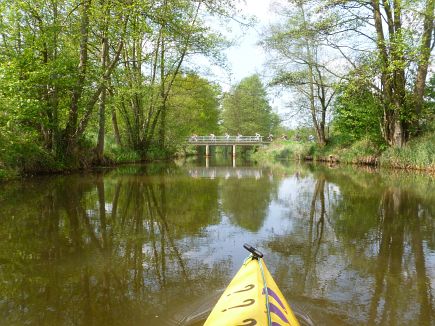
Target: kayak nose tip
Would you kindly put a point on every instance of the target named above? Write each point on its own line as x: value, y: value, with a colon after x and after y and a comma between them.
x: 256, y: 253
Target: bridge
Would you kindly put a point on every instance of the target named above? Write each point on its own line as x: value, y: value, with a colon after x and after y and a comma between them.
x: 233, y: 141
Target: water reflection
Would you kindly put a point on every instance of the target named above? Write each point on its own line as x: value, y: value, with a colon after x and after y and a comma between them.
x: 97, y: 250
x: 246, y: 203
x: 139, y: 244
x: 225, y: 172
x: 360, y: 246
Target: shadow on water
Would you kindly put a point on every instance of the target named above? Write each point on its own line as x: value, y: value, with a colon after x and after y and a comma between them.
x: 154, y: 244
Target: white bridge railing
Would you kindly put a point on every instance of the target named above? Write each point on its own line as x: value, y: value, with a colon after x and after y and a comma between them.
x: 225, y: 139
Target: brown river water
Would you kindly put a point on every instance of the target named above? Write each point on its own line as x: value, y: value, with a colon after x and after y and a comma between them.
x: 148, y: 244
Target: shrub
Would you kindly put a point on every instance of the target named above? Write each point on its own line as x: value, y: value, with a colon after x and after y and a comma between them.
x: 418, y: 153
x: 283, y: 149
x: 119, y: 154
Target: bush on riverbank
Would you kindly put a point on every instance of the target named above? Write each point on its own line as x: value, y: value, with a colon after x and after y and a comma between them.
x: 284, y: 150
x: 117, y: 154
x: 363, y: 151
x: 25, y: 157
x: 21, y: 156
x: 417, y: 154
x: 6, y: 174
x: 335, y: 150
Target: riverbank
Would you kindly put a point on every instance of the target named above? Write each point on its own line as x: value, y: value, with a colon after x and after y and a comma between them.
x: 418, y: 154
x: 29, y: 159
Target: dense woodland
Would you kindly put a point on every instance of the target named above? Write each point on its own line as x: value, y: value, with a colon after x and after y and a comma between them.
x: 90, y: 82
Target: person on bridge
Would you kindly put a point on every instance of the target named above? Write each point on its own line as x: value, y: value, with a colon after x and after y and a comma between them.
x: 227, y: 136
x: 270, y: 137
x: 194, y: 137
x: 257, y: 136
x: 212, y: 137
x: 239, y: 136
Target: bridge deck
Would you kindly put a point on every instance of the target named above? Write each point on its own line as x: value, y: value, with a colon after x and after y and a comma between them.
x: 227, y: 140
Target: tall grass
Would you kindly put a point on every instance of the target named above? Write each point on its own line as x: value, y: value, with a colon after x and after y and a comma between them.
x: 419, y: 153
x: 363, y: 151
x: 118, y: 154
x: 284, y: 150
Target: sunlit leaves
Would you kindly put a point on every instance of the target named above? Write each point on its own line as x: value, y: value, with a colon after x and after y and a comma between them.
x: 246, y: 109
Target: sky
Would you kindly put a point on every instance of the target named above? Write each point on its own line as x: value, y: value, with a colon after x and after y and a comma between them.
x: 246, y: 57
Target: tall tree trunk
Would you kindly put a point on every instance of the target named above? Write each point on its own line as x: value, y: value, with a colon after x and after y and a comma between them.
x: 425, y: 51
x: 398, y: 115
x: 99, y: 151
x: 162, y: 129
x: 71, y: 126
x: 311, y: 65
x: 115, y: 126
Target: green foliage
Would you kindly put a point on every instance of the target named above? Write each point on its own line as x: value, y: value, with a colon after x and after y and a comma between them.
x: 192, y: 109
x: 28, y: 157
x: 118, y: 154
x: 246, y: 109
x: 362, y: 151
x: 427, y: 119
x: 357, y: 113
x: 284, y: 150
x: 58, y: 59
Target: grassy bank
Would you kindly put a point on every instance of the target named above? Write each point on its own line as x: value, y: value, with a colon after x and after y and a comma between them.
x: 417, y: 154
x: 24, y: 159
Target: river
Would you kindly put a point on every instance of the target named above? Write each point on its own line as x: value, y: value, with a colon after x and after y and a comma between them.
x: 143, y: 244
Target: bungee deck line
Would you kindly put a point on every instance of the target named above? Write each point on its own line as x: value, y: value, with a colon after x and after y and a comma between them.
x: 266, y: 292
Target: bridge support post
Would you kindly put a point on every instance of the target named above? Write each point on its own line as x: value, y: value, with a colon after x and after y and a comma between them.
x: 234, y: 151
x: 207, y: 150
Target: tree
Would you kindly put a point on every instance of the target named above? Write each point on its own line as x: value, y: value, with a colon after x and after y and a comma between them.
x: 66, y: 66
x: 53, y: 78
x: 399, y: 36
x: 246, y: 109
x: 357, y: 112
x: 193, y: 107
x: 297, y: 53
x: 153, y: 58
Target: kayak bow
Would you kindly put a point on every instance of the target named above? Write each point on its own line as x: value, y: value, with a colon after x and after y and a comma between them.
x: 252, y: 298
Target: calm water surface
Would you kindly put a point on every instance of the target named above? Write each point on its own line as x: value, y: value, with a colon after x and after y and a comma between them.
x: 142, y: 245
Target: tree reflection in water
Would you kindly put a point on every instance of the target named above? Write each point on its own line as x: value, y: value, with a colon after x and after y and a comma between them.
x: 356, y: 248
x: 357, y: 251
x: 400, y: 246
x: 246, y: 203
x: 101, y: 250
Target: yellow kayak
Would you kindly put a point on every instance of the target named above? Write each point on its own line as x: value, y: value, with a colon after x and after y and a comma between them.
x: 252, y: 298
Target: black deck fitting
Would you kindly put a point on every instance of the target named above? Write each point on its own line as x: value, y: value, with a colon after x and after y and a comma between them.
x: 257, y: 254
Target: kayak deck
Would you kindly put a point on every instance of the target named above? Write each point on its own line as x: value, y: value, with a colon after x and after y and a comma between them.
x: 252, y: 298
